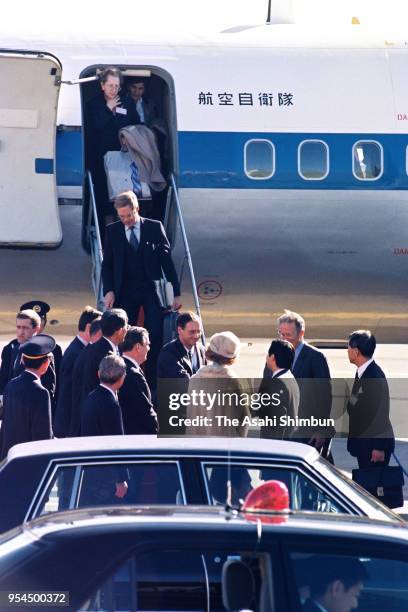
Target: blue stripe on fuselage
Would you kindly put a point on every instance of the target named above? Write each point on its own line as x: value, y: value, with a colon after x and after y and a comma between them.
x: 69, y: 158
x: 215, y: 160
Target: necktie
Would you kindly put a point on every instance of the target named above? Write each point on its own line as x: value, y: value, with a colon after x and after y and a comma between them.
x: 191, y: 357
x: 134, y: 175
x: 356, y: 385
x: 133, y: 241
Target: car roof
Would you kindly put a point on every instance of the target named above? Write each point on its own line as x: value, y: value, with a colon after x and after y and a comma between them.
x: 140, y: 444
x: 196, y: 518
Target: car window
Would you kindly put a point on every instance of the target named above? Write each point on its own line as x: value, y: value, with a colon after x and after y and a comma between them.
x: 85, y: 485
x: 187, y: 580
x: 365, y: 583
x: 367, y: 503
x: 303, y: 493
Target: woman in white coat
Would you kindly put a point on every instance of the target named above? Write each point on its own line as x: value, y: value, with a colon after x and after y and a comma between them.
x: 220, y: 409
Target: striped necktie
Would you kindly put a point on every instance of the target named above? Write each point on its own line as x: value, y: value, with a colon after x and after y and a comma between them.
x: 134, y: 175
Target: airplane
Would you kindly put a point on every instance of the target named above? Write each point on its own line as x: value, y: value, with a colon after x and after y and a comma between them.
x: 288, y: 151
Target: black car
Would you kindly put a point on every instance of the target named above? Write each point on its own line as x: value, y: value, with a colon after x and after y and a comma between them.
x: 50, y: 475
x: 204, y: 559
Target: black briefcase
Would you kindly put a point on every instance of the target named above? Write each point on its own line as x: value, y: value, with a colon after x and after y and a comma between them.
x: 385, y: 483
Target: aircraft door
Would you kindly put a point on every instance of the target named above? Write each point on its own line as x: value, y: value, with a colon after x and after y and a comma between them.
x: 28, y: 106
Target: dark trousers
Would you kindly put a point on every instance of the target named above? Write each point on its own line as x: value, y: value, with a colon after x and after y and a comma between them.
x: 364, y: 461
x: 153, y: 322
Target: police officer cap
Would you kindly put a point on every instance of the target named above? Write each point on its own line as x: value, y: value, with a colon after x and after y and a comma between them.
x: 38, y: 346
x: 41, y: 308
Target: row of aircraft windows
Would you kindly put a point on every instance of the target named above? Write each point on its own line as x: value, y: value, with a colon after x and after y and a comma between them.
x: 313, y: 160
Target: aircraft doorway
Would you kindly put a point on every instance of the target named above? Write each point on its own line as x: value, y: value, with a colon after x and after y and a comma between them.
x: 28, y: 192
x: 159, y: 117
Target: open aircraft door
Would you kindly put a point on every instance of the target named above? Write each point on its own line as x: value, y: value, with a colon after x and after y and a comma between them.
x: 28, y: 108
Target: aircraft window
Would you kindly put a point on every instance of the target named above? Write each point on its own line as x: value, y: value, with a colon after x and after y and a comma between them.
x: 259, y: 159
x: 313, y: 160
x: 367, y: 160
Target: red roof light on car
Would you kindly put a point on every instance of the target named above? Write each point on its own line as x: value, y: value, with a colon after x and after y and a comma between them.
x: 271, y: 496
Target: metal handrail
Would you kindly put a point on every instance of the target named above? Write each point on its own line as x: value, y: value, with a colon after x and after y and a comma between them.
x: 95, y: 242
x: 187, y: 253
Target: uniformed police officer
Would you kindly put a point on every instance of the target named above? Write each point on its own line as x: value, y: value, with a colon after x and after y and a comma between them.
x: 28, y: 325
x: 42, y: 309
x: 26, y: 403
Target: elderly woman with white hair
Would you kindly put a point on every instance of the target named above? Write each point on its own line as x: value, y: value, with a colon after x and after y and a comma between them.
x: 218, y: 407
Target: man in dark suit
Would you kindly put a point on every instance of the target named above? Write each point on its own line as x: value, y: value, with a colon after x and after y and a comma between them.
x: 371, y: 437
x: 282, y: 385
x: 335, y: 584
x: 101, y: 416
x: 182, y: 357
x: 63, y: 411
x: 135, y: 398
x: 136, y: 254
x: 27, y: 408
x: 95, y: 334
x: 178, y: 361
x: 312, y: 373
x: 114, y: 324
x: 145, y: 109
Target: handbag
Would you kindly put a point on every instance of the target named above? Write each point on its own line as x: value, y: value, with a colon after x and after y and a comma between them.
x: 385, y: 483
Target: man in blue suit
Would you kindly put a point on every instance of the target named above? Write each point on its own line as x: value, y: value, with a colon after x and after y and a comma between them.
x: 371, y: 437
x: 27, y: 406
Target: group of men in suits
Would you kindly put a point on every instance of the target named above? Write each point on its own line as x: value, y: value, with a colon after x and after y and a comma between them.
x: 295, y: 370
x: 27, y: 401
x: 133, y: 401
x: 297, y: 360
x: 300, y: 374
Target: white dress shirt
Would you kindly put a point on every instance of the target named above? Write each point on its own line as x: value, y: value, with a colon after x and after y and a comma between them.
x: 362, y: 368
x: 128, y: 231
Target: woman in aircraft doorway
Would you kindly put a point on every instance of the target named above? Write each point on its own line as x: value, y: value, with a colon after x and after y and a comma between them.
x: 107, y: 113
